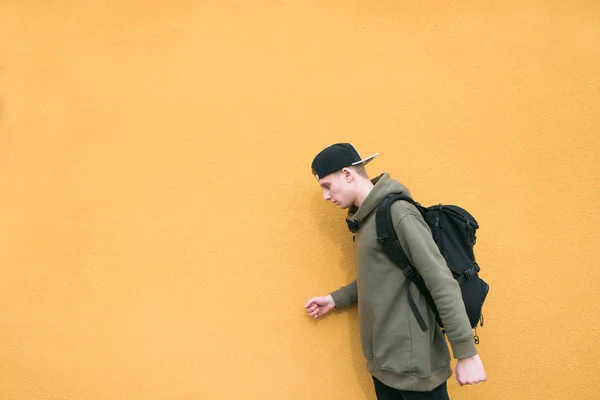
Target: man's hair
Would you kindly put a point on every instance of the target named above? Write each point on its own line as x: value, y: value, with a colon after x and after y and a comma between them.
x: 360, y: 170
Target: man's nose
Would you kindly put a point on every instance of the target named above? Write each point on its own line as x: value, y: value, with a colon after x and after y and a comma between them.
x: 326, y: 195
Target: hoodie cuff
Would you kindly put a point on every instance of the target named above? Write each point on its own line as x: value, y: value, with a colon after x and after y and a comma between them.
x: 340, y: 298
x: 463, y: 349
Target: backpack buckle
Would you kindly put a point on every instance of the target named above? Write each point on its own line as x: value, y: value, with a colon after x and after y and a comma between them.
x: 409, y: 271
x: 468, y: 275
x: 383, y: 238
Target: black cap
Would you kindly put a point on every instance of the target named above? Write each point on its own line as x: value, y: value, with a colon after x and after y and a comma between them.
x: 335, y: 157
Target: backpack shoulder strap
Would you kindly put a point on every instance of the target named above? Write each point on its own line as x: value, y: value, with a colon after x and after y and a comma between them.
x: 388, y: 239
x: 386, y: 232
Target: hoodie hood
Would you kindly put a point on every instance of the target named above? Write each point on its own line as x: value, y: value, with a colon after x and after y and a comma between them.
x: 382, y: 186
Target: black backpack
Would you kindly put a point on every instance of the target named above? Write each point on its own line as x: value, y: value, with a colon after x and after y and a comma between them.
x: 453, y: 231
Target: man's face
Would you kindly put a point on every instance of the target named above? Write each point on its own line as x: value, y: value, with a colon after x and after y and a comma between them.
x: 337, y: 189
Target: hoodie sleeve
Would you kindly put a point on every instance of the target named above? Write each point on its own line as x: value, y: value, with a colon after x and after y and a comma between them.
x: 418, y: 245
x: 346, y: 295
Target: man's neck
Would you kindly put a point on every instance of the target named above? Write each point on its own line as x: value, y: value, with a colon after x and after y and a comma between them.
x: 363, y: 191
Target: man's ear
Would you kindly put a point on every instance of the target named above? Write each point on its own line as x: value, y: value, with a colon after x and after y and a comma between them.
x: 348, y: 174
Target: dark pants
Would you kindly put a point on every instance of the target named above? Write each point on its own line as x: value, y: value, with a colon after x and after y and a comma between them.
x: 384, y: 392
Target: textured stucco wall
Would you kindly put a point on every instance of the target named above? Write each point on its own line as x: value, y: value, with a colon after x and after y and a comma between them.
x: 161, y: 229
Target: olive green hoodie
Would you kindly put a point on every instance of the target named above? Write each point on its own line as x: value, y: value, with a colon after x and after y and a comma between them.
x: 398, y: 352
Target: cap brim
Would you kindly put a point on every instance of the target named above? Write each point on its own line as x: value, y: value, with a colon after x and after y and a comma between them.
x: 365, y: 161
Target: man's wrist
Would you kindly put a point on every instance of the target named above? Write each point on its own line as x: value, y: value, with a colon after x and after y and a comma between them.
x: 331, y: 299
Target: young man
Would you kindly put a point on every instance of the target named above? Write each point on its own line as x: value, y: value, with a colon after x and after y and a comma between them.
x: 405, y: 361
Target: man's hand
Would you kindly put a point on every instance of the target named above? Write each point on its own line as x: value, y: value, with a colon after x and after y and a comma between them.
x: 318, y: 306
x: 470, y: 371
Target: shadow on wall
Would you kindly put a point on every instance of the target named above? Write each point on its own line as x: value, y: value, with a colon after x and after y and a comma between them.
x: 331, y: 222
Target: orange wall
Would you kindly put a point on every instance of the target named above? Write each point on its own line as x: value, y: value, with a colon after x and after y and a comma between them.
x: 161, y: 229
